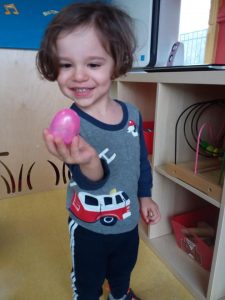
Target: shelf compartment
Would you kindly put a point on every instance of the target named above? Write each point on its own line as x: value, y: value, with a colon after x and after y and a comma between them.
x: 206, y: 180
x: 188, y: 271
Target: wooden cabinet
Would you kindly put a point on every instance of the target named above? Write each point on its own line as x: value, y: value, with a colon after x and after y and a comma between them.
x: 162, y: 97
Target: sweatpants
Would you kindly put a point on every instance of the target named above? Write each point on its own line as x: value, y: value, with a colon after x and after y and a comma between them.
x: 96, y: 257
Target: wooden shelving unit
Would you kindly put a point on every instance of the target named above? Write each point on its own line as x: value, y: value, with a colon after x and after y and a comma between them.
x: 162, y: 97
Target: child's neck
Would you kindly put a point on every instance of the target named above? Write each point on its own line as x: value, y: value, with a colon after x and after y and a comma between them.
x: 111, y: 113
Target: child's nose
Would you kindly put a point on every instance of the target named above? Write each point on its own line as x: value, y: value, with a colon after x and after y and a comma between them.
x: 80, y: 74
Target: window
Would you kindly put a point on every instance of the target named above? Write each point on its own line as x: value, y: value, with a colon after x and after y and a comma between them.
x: 193, y: 29
x: 89, y: 200
x: 108, y: 200
x: 119, y: 199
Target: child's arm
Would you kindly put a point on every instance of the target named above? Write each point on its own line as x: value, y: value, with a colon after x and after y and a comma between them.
x: 149, y: 210
x: 78, y: 152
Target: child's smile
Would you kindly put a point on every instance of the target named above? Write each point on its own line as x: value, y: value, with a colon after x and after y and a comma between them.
x: 82, y: 92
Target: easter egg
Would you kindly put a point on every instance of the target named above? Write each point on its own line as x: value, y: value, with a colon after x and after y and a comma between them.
x: 65, y: 124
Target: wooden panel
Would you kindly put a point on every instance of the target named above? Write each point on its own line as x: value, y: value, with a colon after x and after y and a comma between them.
x: 206, y: 180
x: 216, y: 289
x: 220, y: 43
x: 141, y: 94
x: 28, y: 103
x: 212, y: 33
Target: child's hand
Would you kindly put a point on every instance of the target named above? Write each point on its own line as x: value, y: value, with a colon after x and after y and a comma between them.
x: 149, y: 210
x: 78, y: 152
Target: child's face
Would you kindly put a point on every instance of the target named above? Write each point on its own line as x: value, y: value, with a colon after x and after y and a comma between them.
x: 86, y: 68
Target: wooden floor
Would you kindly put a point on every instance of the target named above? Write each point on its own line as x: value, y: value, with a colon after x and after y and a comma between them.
x: 35, y: 258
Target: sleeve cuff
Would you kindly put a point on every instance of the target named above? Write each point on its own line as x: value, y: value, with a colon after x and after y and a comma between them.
x: 84, y: 182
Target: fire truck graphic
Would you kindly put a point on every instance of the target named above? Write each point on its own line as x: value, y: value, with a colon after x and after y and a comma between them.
x: 106, y: 208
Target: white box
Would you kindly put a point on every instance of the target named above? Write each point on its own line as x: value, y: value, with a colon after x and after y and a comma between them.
x: 156, y: 29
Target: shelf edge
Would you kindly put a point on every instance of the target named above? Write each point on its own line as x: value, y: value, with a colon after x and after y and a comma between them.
x: 188, y: 187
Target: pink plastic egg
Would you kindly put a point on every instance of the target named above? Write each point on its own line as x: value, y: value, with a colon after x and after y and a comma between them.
x: 65, y: 124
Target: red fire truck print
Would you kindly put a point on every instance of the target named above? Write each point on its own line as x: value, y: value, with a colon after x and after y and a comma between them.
x: 106, y: 208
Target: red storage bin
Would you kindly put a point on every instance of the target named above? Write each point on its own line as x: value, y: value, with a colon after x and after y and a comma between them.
x: 193, y: 244
x: 148, y: 128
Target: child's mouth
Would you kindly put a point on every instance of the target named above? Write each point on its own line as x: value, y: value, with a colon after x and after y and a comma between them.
x: 82, y: 92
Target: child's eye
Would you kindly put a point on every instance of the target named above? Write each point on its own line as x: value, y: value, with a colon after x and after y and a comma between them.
x: 64, y: 65
x: 94, y: 65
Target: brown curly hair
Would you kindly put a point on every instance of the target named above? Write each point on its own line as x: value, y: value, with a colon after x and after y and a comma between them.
x: 113, y: 25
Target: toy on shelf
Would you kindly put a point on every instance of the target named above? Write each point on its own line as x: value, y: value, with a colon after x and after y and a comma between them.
x: 203, y: 127
x: 195, y: 233
x: 194, y: 113
x: 203, y: 230
x: 65, y: 124
x: 212, y: 144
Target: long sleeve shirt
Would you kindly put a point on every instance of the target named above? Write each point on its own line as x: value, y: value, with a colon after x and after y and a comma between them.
x: 111, y: 205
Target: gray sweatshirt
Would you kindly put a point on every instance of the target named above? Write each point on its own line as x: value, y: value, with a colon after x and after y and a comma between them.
x: 111, y: 205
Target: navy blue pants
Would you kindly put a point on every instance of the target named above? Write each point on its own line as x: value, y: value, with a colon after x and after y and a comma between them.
x: 96, y: 257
